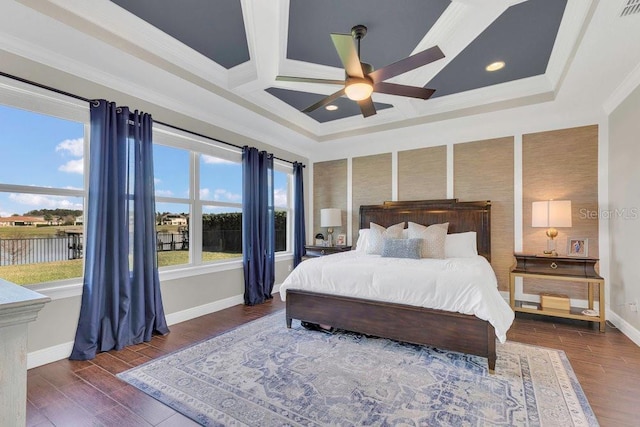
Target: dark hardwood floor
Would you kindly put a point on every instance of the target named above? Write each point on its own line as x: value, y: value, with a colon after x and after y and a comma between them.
x: 68, y: 393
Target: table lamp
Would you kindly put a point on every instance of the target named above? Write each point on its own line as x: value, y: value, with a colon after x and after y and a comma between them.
x: 551, y: 214
x: 330, y: 217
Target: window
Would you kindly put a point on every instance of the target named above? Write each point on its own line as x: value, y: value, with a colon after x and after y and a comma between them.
x: 283, y: 211
x: 42, y: 193
x: 44, y: 181
x: 173, y: 204
x: 221, y: 197
x: 199, y: 200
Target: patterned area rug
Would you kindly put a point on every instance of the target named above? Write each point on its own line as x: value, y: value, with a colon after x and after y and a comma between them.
x: 263, y: 374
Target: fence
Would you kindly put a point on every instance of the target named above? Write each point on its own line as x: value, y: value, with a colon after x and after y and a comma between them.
x: 40, y: 249
x: 62, y: 248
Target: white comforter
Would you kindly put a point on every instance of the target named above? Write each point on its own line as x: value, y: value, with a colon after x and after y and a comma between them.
x: 464, y: 285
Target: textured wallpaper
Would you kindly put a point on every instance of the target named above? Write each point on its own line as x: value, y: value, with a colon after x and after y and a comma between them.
x: 483, y: 170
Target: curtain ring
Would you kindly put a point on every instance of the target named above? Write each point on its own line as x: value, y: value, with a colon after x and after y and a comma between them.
x: 95, y: 102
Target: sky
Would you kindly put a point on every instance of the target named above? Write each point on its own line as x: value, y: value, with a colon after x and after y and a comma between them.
x: 44, y: 151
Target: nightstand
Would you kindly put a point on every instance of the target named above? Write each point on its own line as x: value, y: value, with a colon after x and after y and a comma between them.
x: 316, y: 251
x: 559, y: 268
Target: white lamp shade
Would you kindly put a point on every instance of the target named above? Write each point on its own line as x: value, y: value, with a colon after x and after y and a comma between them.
x: 551, y: 213
x: 330, y: 217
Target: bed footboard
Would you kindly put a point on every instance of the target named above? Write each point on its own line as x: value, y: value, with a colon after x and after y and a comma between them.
x: 416, y: 325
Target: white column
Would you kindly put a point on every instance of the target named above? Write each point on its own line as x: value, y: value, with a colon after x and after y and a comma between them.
x: 18, y: 306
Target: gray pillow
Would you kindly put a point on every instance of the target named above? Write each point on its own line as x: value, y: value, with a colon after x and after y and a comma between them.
x: 402, y: 248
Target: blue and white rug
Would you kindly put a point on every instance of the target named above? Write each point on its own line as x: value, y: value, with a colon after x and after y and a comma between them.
x: 263, y: 374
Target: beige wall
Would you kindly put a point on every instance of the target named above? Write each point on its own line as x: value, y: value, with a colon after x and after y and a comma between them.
x: 571, y: 175
x: 556, y: 164
x: 422, y: 173
x: 371, y: 184
x: 179, y: 297
x: 330, y: 182
x: 623, y: 215
x: 483, y: 170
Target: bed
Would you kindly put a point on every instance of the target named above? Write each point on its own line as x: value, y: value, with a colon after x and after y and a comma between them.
x: 408, y: 322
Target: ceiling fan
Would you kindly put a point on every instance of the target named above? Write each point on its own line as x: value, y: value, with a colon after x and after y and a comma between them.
x: 361, y: 80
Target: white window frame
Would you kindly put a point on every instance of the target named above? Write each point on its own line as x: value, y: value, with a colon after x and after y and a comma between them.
x: 39, y: 100
x: 31, y: 98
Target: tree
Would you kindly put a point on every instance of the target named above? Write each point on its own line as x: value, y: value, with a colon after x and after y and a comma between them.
x: 48, y: 217
x: 14, y: 249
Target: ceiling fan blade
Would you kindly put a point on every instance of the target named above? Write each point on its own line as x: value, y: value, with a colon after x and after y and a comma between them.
x: 324, y: 101
x: 348, y: 54
x: 308, y: 80
x: 407, y: 64
x: 403, y: 90
x: 366, y: 107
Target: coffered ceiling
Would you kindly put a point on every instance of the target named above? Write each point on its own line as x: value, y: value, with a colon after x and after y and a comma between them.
x: 472, y: 35
x: 218, y: 59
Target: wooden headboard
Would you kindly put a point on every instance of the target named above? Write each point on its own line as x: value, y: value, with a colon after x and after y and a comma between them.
x: 461, y: 216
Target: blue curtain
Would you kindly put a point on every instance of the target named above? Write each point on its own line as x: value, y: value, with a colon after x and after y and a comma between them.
x: 258, y: 225
x: 299, y: 238
x: 120, y: 305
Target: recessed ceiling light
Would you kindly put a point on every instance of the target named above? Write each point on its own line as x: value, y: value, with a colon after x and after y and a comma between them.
x: 331, y: 107
x: 495, y: 66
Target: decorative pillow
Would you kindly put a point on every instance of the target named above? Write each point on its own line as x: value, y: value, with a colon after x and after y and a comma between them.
x: 402, y: 248
x: 378, y: 233
x: 461, y: 245
x: 363, y: 239
x: 433, y: 236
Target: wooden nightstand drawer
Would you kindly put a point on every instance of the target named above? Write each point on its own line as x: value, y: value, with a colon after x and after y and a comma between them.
x: 316, y: 251
x: 556, y: 266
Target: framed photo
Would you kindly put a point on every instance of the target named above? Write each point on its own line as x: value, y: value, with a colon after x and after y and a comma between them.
x: 341, y: 240
x: 578, y: 247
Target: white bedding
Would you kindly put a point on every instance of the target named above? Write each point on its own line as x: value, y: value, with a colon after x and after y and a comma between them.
x: 464, y: 285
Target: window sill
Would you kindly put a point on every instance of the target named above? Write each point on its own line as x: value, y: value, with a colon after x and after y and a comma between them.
x: 73, y: 287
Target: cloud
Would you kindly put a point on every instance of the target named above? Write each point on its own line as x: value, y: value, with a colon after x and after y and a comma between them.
x: 226, y: 196
x: 157, y: 181
x: 204, y: 193
x: 280, y: 197
x: 74, y: 147
x: 164, y: 193
x: 73, y: 166
x: 210, y: 160
x: 42, y: 202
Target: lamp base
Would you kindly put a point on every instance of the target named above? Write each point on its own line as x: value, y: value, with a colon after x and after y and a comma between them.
x: 551, y: 243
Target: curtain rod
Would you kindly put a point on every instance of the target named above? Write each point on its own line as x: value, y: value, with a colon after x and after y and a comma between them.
x: 82, y: 98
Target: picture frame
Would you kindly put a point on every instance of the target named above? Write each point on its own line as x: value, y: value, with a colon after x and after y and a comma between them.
x: 341, y: 240
x: 578, y: 247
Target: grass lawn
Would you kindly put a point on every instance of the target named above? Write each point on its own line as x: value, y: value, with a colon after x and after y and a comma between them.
x: 27, y: 274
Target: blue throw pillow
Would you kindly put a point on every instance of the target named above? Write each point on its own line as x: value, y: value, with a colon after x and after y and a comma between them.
x: 402, y: 248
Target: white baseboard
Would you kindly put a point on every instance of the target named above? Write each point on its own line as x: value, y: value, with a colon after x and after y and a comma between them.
x: 49, y: 354
x: 624, y: 327
x: 201, y: 310
x: 63, y: 351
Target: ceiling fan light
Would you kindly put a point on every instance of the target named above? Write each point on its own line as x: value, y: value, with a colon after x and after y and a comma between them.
x: 358, y: 90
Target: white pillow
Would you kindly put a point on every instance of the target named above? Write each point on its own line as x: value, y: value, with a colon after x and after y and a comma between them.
x: 461, y: 245
x: 378, y: 233
x: 433, y: 236
x: 363, y: 239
